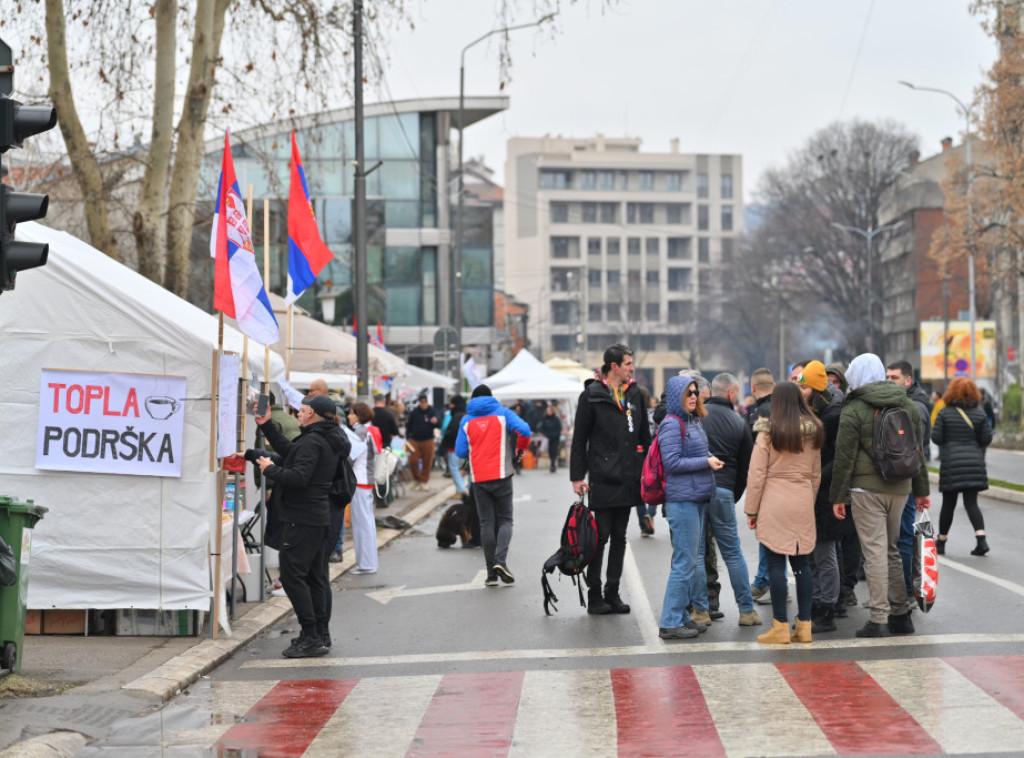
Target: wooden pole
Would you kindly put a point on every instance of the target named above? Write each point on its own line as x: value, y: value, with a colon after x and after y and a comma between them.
x: 215, y: 394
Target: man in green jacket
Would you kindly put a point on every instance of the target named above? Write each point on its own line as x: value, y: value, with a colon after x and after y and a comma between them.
x: 876, y: 504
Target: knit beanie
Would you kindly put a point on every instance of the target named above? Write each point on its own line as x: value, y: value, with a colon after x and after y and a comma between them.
x: 481, y: 390
x: 813, y: 376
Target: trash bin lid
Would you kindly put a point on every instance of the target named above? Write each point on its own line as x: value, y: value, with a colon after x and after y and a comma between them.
x: 28, y: 508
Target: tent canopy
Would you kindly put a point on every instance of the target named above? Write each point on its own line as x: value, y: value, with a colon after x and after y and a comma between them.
x: 569, y: 367
x: 110, y: 540
x: 525, y: 367
x: 317, y: 347
x: 419, y: 378
x: 539, y: 389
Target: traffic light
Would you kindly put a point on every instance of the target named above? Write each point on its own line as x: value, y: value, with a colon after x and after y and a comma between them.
x: 16, y: 123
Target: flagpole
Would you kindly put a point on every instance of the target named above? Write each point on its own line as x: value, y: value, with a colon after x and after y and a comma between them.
x: 218, y: 541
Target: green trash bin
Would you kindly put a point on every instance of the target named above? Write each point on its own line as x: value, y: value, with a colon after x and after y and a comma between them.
x: 16, y: 522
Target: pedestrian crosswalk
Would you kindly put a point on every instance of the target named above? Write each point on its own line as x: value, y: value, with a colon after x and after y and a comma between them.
x: 922, y: 706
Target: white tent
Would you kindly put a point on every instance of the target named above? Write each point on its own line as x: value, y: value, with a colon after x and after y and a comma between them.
x: 110, y: 540
x: 419, y: 378
x: 539, y: 389
x: 525, y: 367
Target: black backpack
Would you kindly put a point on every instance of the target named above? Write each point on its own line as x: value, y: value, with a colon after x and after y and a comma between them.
x: 894, y: 446
x: 343, y: 486
x: 579, y: 544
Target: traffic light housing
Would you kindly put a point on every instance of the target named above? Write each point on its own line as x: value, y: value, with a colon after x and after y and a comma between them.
x: 18, y: 122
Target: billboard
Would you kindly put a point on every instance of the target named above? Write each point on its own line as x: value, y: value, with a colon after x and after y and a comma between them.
x: 933, y: 340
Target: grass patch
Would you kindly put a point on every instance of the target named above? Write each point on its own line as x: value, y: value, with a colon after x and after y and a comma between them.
x: 992, y: 482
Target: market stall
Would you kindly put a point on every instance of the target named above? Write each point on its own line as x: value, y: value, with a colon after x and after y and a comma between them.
x: 107, y: 414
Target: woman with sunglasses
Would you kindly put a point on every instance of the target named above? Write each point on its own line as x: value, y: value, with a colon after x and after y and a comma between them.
x: 689, y: 486
x: 782, y: 483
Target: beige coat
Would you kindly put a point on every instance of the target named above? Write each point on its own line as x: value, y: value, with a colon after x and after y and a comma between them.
x: 781, y: 487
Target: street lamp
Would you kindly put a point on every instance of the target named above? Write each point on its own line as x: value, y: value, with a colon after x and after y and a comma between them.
x: 868, y: 236
x: 459, y: 224
x: 970, y: 218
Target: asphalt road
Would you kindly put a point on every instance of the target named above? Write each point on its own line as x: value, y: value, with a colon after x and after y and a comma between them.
x: 426, y: 627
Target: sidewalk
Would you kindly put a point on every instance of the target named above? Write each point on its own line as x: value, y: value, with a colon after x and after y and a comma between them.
x: 108, y: 678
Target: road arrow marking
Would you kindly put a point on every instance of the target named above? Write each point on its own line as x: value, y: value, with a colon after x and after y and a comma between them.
x: 522, y: 498
x: 385, y: 596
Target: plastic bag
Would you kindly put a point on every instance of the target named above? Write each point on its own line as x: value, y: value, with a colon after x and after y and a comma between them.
x: 925, y: 571
x: 8, y: 565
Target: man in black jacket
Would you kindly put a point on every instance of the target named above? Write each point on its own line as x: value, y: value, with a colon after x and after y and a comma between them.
x: 609, y: 442
x: 419, y: 433
x: 761, y: 385
x: 730, y: 441
x: 302, y: 472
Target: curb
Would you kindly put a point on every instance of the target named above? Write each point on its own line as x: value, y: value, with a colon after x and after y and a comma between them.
x: 170, y: 678
x: 996, y: 493
x: 53, y: 745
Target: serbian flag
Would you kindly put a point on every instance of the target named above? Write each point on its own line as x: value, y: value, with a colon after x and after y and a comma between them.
x: 307, y: 253
x: 238, y: 287
x: 380, y: 336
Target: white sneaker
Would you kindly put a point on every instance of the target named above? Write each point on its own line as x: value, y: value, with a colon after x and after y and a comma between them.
x: 363, y: 571
x: 278, y: 590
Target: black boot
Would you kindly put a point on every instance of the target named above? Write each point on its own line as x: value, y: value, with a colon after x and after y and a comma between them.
x: 596, y: 605
x: 982, y: 547
x: 940, y: 546
x: 822, y: 618
x: 615, y: 602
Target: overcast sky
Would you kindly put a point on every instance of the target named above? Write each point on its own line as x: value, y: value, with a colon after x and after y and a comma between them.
x: 754, y: 77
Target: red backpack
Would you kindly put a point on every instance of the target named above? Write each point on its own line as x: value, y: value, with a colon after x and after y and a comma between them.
x: 579, y: 545
x: 652, y: 476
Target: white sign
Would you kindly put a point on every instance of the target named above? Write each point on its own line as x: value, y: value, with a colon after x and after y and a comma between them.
x: 227, y: 407
x: 110, y: 423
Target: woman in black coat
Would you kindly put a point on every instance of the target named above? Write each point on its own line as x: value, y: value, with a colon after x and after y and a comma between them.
x: 962, y: 433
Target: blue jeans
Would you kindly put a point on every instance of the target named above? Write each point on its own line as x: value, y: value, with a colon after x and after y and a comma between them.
x: 905, y: 543
x: 686, y: 523
x: 456, y: 472
x: 722, y: 517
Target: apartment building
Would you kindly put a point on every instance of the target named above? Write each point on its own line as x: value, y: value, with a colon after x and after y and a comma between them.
x: 607, y: 243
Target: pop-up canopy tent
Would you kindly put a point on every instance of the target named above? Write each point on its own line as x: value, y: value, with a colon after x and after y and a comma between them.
x: 539, y: 389
x: 569, y: 367
x: 525, y: 367
x: 420, y: 378
x: 111, y: 540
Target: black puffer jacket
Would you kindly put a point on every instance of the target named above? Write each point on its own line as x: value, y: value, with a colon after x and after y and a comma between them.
x: 729, y: 439
x: 609, y: 445
x: 762, y: 408
x: 963, y: 448
x: 828, y: 406
x: 303, y: 471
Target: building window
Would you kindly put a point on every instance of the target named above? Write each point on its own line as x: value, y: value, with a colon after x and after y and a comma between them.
x: 613, y: 244
x: 675, y: 342
x: 606, y: 180
x: 652, y: 276
x: 596, y: 342
x: 554, y: 179
x: 702, y: 185
x: 673, y: 181
x: 614, y: 312
x: 594, y: 312
x: 561, y: 312
x: 726, y: 218
x: 634, y: 310
x: 674, y: 213
x: 646, y: 213
x: 609, y: 213
x: 560, y: 279
x: 634, y: 277
x: 623, y: 180
x: 559, y: 213
x: 648, y: 342
x: 703, y: 250
x: 653, y: 311
x: 680, y: 312
x: 728, y: 249
x: 613, y: 277
x: 702, y: 218
x: 590, y: 213
x: 630, y: 213
x: 588, y: 180
x: 680, y: 248
x: 678, y: 281
x: 565, y: 247
x: 594, y: 277
x: 703, y: 282
x: 593, y: 246
x: 652, y: 246
x: 645, y: 180
x: 727, y: 186
x: 633, y: 245
x: 561, y: 343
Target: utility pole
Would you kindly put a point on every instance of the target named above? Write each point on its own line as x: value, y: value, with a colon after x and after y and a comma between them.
x: 359, y: 214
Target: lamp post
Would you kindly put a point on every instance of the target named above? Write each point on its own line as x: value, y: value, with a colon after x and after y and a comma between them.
x: 459, y: 224
x: 869, y: 235
x: 970, y: 214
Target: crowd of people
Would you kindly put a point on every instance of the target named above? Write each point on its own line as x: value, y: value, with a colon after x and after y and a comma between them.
x: 801, y: 456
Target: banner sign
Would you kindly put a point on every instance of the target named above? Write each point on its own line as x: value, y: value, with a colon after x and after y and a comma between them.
x: 110, y: 423
x: 949, y: 354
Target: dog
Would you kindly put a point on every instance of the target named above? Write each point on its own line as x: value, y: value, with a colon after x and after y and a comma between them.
x: 460, y: 522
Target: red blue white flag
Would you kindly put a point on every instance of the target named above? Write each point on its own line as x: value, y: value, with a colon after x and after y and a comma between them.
x: 238, y: 287
x: 307, y: 253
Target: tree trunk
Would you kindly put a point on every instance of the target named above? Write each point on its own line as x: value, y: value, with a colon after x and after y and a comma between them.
x: 148, y: 221
x: 83, y: 161
x: 209, y: 29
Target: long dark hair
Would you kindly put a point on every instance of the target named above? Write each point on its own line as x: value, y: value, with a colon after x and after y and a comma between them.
x: 788, y: 415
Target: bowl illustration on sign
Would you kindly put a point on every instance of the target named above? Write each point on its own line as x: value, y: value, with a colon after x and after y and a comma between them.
x: 161, y: 407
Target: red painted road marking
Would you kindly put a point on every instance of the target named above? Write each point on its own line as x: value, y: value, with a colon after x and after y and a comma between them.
x: 288, y: 718
x: 470, y: 715
x: 1001, y: 676
x: 660, y: 710
x: 854, y: 712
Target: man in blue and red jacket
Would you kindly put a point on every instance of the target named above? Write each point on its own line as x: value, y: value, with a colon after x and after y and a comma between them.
x: 485, y: 439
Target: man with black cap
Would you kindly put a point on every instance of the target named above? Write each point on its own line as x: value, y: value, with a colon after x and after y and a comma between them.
x: 485, y: 439
x: 302, y: 471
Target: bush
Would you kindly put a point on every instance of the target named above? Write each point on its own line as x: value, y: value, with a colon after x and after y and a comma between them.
x: 1012, y: 404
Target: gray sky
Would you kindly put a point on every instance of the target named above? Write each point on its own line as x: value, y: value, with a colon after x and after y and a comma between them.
x: 754, y: 77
